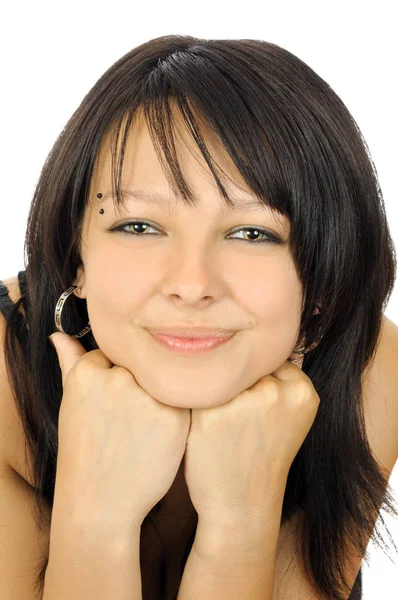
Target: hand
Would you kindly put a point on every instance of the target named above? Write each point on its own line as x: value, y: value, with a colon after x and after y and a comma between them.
x: 119, y: 449
x: 235, y: 451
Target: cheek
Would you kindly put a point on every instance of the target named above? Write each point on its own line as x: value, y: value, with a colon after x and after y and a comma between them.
x: 116, y: 280
x: 275, y: 296
x: 113, y: 291
x: 275, y: 301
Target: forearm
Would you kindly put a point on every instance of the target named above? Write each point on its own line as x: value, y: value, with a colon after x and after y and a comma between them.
x: 92, y: 559
x: 84, y: 566
x: 235, y: 562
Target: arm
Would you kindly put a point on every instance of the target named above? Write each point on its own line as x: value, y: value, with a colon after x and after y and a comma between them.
x: 236, y: 562
x: 91, y: 558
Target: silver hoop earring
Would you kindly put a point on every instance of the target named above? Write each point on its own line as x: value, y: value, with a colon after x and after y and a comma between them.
x: 58, y: 311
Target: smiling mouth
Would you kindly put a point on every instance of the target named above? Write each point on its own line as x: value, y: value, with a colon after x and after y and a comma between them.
x: 193, y: 332
x: 191, y: 346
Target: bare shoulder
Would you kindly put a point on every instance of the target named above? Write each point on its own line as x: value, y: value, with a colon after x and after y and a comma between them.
x: 24, y: 543
x: 12, y: 435
x: 380, y: 397
x: 390, y: 331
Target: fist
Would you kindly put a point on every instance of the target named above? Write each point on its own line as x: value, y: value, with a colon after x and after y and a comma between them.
x: 235, y: 450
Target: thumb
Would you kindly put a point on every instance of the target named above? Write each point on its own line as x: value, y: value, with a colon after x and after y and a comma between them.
x: 68, y: 350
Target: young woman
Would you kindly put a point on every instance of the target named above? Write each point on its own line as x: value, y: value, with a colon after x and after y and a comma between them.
x: 217, y: 415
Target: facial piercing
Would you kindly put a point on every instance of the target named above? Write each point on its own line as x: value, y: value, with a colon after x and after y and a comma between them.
x: 101, y: 209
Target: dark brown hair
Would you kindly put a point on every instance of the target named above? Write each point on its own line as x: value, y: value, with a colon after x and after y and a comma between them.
x: 301, y: 152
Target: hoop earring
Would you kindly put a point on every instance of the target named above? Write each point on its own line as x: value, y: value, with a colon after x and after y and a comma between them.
x: 58, y: 311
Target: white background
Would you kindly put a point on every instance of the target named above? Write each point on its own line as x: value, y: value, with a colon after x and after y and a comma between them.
x: 53, y: 53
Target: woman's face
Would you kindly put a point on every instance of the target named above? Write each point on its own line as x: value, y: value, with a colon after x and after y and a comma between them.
x: 189, y: 269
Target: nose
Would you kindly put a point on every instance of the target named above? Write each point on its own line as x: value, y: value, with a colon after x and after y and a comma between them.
x: 193, y: 278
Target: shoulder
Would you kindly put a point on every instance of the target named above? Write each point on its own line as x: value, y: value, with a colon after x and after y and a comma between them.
x: 23, y: 541
x: 380, y: 397
x: 12, y: 435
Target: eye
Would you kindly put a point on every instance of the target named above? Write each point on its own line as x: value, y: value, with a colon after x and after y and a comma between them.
x: 267, y: 236
x: 261, y: 235
x: 122, y: 227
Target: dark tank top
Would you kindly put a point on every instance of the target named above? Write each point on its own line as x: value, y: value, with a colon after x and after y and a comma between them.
x: 5, y: 307
x: 5, y: 301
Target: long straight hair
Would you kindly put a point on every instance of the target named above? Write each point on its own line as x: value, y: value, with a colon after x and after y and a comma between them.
x: 303, y: 155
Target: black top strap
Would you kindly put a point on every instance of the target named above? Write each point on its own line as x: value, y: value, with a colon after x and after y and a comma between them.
x: 6, y: 303
x: 22, y: 282
x: 6, y: 306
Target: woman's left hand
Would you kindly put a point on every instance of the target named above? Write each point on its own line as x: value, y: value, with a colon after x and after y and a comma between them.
x: 235, y: 450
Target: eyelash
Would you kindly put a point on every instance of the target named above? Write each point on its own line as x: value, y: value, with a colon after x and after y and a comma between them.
x: 270, y: 239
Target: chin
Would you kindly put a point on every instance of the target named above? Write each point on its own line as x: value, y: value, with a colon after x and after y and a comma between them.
x: 191, y: 404
x: 192, y: 400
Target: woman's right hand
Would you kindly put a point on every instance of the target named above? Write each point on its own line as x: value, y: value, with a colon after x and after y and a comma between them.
x: 119, y: 449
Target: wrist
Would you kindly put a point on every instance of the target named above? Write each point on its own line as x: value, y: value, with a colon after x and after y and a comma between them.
x: 95, y: 525
x: 231, y: 541
x: 244, y: 534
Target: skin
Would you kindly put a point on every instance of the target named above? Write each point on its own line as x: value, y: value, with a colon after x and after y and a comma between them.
x: 194, y: 271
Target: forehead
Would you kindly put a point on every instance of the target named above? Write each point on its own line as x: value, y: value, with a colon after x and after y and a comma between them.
x: 141, y: 160
x: 145, y: 179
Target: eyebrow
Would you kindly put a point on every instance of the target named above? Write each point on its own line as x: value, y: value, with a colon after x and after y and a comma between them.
x: 151, y: 197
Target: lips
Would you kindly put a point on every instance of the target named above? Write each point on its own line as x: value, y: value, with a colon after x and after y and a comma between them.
x: 193, y: 333
x: 191, y: 346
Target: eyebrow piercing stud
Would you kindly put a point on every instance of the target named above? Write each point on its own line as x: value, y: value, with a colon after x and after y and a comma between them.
x: 101, y: 209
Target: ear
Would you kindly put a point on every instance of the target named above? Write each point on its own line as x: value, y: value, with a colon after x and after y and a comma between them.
x: 297, y: 360
x: 80, y: 281
x: 317, y: 310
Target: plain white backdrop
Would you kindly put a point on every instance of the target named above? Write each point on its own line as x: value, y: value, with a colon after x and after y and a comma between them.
x: 53, y: 53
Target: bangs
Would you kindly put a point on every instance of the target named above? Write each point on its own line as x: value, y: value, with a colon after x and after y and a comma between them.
x: 239, y: 134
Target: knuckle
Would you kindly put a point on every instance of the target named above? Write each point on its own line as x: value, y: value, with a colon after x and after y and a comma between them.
x: 272, y: 388
x: 309, y: 398
x: 303, y: 389
x: 83, y: 367
x: 121, y: 376
x: 316, y: 398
